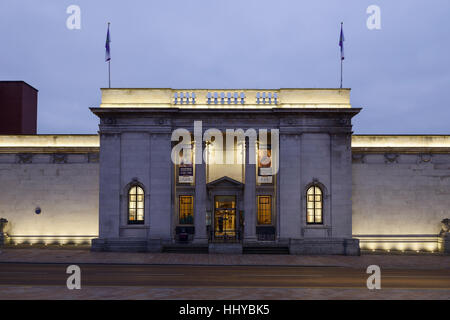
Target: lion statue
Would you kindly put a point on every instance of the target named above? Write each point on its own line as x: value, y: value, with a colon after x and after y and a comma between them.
x: 3, y: 223
x: 445, y: 225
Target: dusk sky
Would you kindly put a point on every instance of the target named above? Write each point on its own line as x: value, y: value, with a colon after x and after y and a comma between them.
x: 399, y: 75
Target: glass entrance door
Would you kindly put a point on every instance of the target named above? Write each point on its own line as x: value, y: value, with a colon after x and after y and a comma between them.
x: 225, y: 217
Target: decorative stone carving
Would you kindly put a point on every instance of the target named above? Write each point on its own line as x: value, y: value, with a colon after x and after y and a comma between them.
x: 109, y: 135
x: 424, y: 158
x: 358, y: 157
x: 445, y: 226
x: 93, y: 157
x: 3, y: 224
x: 3, y: 234
x: 59, y: 158
x: 24, y: 158
x: 344, y: 121
x: 445, y: 236
x: 390, y: 158
x: 110, y: 121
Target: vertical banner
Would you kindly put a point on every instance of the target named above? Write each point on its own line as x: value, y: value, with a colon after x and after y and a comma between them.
x: 186, y: 168
x: 265, y: 171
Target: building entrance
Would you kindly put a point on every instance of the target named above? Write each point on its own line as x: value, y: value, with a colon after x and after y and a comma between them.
x: 224, y: 218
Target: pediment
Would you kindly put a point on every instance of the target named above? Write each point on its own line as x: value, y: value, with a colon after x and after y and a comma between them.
x: 225, y: 182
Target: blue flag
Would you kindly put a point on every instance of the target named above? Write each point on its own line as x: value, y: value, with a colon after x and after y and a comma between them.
x: 341, y: 41
x: 108, y: 52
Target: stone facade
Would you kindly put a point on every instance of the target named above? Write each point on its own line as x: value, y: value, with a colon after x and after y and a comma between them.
x: 401, y: 191
x: 48, y: 198
x: 378, y: 192
x: 314, y: 128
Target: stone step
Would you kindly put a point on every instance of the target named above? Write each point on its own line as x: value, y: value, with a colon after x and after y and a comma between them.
x: 266, y: 250
x: 185, y: 249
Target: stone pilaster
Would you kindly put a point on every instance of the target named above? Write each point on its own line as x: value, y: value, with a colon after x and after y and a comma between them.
x: 446, y: 243
x: 249, y: 197
x: 290, y: 189
x: 160, y: 190
x: 109, y: 202
x: 200, y: 202
x: 3, y: 235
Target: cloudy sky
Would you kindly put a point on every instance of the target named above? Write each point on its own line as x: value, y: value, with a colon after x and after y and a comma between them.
x: 399, y: 75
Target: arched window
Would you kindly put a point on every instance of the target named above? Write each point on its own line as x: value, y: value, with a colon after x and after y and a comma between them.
x: 136, y: 200
x: 314, y: 205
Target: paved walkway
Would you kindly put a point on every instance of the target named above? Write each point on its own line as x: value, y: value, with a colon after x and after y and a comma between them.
x: 80, y: 256
x: 143, y: 293
x: 74, y: 256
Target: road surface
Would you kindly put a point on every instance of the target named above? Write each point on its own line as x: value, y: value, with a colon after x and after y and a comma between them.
x: 190, y: 276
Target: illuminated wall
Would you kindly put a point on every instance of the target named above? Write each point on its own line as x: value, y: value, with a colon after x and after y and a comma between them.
x: 218, y: 169
x: 401, y: 191
x: 58, y: 175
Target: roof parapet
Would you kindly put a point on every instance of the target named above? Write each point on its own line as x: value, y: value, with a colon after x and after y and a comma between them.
x: 224, y: 98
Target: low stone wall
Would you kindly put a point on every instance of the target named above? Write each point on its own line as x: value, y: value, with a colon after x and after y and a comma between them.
x: 49, y: 198
x: 50, y: 195
x: 400, y: 198
x: 322, y: 246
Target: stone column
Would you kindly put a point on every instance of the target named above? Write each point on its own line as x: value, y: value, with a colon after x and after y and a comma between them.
x: 160, y: 191
x: 249, y: 198
x: 290, y: 189
x: 200, y: 202
x: 109, y: 198
x: 3, y: 235
x: 445, y: 248
x: 341, y: 185
x: 444, y: 237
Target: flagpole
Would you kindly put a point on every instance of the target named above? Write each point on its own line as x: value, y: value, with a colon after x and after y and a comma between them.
x: 342, y: 46
x: 109, y: 73
x: 109, y: 66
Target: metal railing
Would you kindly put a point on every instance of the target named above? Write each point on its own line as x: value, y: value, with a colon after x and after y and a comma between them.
x: 237, y: 237
x: 226, y: 97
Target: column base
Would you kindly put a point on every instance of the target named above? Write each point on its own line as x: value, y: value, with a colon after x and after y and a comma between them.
x: 250, y: 240
x: 3, y: 238
x: 119, y: 244
x: 324, y: 246
x: 225, y: 248
x: 200, y: 241
x: 444, y: 243
x: 154, y: 245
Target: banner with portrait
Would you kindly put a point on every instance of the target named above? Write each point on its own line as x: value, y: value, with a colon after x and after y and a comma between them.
x: 265, y: 171
x: 186, y: 168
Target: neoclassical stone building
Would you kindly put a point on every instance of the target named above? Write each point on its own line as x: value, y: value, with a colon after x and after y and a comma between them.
x: 227, y: 171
